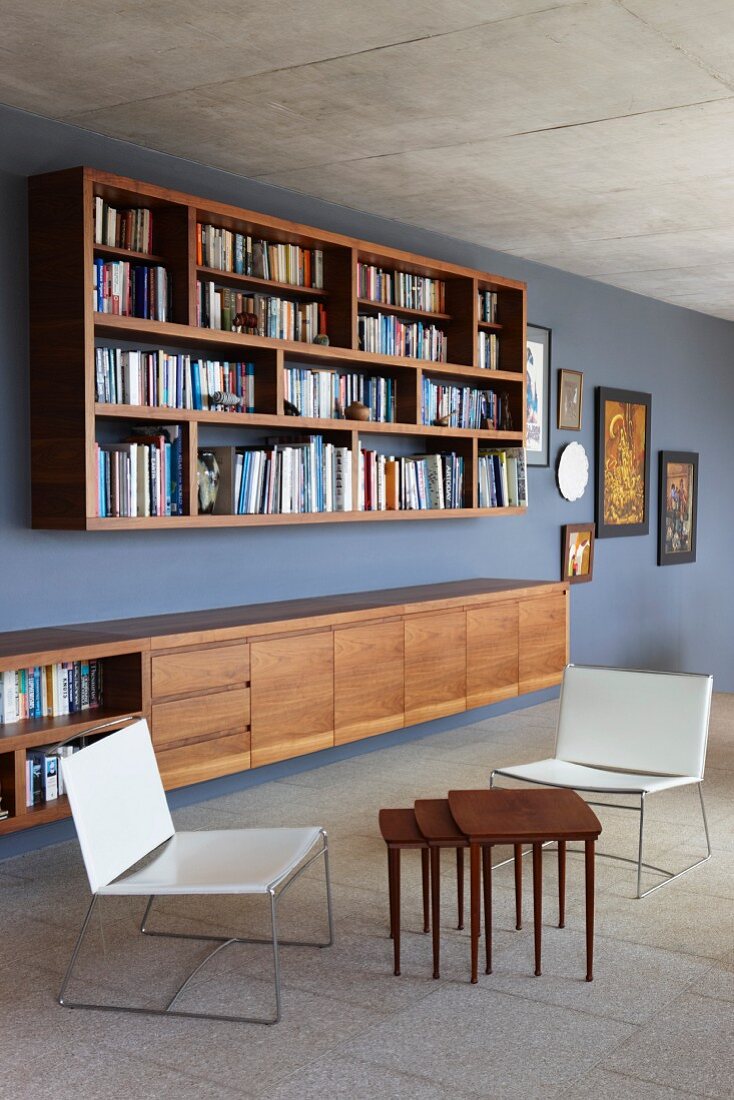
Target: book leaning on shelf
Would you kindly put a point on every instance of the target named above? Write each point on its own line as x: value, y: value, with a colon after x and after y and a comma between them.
x: 502, y: 478
x: 161, y: 379
x: 131, y: 290
x: 244, y: 254
x: 400, y: 288
x: 410, y: 482
x: 464, y: 406
x: 266, y: 315
x: 488, y: 306
x: 488, y: 351
x: 44, y: 781
x: 142, y: 476
x: 130, y: 228
x: 325, y: 393
x: 387, y: 335
x: 50, y: 691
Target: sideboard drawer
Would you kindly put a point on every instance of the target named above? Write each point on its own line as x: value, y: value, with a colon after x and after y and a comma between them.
x: 200, y: 717
x: 199, y: 670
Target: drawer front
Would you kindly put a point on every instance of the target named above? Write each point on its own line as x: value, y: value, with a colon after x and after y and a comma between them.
x: 200, y: 670
x: 204, y: 760
x: 200, y: 717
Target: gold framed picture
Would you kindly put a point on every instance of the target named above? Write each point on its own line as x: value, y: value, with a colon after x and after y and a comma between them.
x: 577, y: 552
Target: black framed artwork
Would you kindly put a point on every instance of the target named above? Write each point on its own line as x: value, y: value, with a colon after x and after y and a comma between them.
x: 537, y: 396
x: 623, y: 419
x: 677, y: 507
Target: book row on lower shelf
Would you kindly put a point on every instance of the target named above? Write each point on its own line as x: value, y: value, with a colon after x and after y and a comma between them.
x: 488, y: 351
x: 166, y: 380
x: 384, y: 334
x: 326, y: 394
x: 44, y: 780
x: 258, y: 314
x: 465, y: 406
x: 410, y: 482
x: 126, y: 289
x: 142, y: 476
x: 502, y: 478
x: 50, y: 691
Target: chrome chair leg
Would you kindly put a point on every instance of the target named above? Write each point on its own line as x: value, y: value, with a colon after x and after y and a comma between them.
x: 276, y: 955
x: 639, y: 846
x: 327, y: 877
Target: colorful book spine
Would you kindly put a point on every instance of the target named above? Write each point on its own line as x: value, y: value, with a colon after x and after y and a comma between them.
x: 326, y: 394
x: 161, y: 379
x: 142, y: 476
x: 128, y: 228
x: 400, y: 288
x: 410, y: 482
x: 243, y: 254
x: 461, y: 406
x: 259, y: 314
x: 488, y: 306
x: 502, y: 478
x: 126, y: 289
x: 385, y: 334
x: 488, y: 350
x: 293, y: 477
x: 47, y: 691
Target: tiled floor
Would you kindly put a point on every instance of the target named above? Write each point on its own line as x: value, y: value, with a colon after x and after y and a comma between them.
x: 657, y: 1022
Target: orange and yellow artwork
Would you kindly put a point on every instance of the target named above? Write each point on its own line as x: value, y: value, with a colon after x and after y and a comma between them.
x: 625, y: 431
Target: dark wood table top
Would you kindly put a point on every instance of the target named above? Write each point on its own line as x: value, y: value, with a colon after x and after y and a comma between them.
x: 399, y: 827
x: 504, y: 816
x: 437, y: 824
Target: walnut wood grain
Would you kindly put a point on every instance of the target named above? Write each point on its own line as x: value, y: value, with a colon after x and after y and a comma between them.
x: 200, y: 717
x: 369, y: 679
x: 200, y: 670
x: 435, y: 665
x: 195, y: 763
x: 492, y: 653
x: 543, y: 641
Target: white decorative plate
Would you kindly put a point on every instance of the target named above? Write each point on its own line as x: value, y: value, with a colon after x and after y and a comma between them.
x: 573, y: 471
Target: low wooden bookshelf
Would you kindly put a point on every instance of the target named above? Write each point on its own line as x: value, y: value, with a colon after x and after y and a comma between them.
x: 223, y: 689
x: 67, y: 422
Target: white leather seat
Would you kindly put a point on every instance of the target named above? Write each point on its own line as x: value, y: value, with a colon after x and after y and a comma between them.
x: 122, y: 818
x: 624, y: 731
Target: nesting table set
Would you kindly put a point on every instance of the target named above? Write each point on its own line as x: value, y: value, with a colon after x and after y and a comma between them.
x: 477, y: 820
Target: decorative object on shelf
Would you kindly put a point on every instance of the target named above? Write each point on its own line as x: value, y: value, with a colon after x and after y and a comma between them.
x: 622, y: 462
x: 577, y: 552
x: 208, y: 481
x: 229, y: 400
x: 244, y: 321
x: 573, y: 471
x: 322, y: 339
x: 290, y: 409
x: 506, y: 424
x: 444, y: 421
x: 537, y: 431
x: 357, y: 411
x: 678, y: 507
x: 570, y: 399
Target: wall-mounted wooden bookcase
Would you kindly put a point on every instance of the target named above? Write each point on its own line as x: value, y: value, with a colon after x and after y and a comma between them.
x: 66, y: 420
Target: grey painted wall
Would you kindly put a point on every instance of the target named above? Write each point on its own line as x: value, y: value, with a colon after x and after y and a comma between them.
x: 632, y: 614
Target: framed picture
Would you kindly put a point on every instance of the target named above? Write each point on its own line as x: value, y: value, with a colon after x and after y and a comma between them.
x: 577, y: 555
x: 622, y: 462
x: 677, y: 508
x: 570, y: 399
x: 537, y: 396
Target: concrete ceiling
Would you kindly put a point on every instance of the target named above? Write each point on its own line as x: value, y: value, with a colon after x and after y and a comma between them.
x: 595, y: 136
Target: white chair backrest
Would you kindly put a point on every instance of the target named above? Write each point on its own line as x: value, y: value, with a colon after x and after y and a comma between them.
x: 650, y: 722
x: 117, y: 801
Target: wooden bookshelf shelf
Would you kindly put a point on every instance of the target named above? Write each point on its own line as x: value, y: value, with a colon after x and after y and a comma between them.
x: 67, y: 423
x: 490, y: 326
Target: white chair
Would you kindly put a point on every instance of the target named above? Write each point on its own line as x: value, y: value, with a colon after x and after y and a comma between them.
x: 627, y: 732
x: 121, y: 816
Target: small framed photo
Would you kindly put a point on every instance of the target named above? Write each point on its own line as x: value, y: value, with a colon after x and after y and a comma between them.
x: 577, y: 557
x: 678, y: 506
x: 570, y: 399
x: 537, y: 396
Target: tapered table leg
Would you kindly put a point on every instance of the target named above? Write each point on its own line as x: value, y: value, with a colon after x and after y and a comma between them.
x: 391, y: 891
x: 460, y: 886
x: 561, y: 883
x: 474, y: 858
x: 487, y: 870
x: 518, y: 886
x: 538, y: 901
x: 424, y: 873
x: 396, y: 910
x: 436, y: 907
x: 589, y: 859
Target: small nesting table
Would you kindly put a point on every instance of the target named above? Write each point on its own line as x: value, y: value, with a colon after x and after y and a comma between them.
x: 488, y: 817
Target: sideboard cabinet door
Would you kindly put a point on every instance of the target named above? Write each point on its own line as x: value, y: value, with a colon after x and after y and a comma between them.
x: 435, y: 665
x: 492, y: 653
x: 369, y: 679
x: 543, y: 640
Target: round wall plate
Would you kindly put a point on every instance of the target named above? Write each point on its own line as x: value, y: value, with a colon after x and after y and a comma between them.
x: 573, y: 471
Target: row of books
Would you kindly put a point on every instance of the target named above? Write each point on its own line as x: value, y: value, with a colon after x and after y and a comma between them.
x: 488, y: 306
x: 323, y: 393
x: 44, y: 781
x: 488, y: 350
x: 132, y: 228
x: 461, y: 406
x: 131, y: 290
x: 387, y: 335
x: 258, y: 314
x: 285, y: 477
x: 410, y: 482
x: 50, y: 691
x: 247, y: 255
x: 502, y: 478
x: 163, y: 379
x: 400, y: 288
x: 142, y: 476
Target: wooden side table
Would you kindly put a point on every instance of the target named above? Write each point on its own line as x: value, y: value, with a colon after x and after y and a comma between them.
x: 534, y: 817
x: 399, y: 830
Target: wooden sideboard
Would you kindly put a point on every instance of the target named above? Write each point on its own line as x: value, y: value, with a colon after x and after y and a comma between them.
x: 236, y: 688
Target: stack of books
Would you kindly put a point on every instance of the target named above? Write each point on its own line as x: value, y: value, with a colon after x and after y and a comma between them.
x: 290, y: 476
x: 488, y: 306
x: 132, y: 290
x: 410, y: 482
x: 50, y: 691
x: 503, y: 480
x: 387, y: 335
x: 399, y: 288
x: 163, y: 379
x: 246, y: 255
x: 218, y: 307
x: 141, y: 477
x: 324, y: 393
x: 131, y: 229
x: 44, y: 781
x: 488, y: 350
x: 461, y: 406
